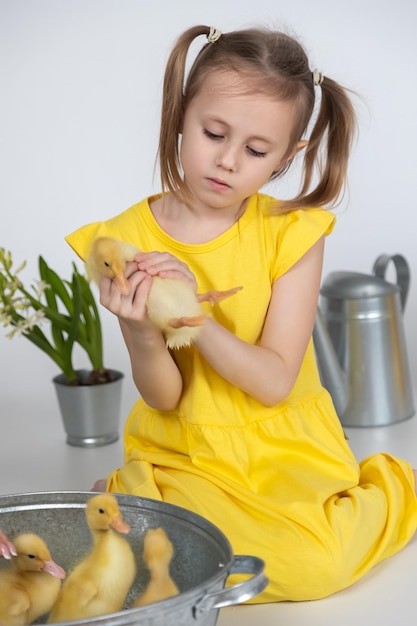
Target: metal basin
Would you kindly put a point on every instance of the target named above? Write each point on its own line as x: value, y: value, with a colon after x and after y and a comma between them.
x: 202, y: 563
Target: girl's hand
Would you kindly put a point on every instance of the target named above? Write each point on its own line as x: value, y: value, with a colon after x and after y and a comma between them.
x: 99, y: 485
x: 133, y: 305
x: 165, y: 265
x: 7, y: 549
x: 154, y: 370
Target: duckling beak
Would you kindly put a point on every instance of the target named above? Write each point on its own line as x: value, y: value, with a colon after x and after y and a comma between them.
x: 122, y: 284
x: 119, y: 525
x: 54, y: 569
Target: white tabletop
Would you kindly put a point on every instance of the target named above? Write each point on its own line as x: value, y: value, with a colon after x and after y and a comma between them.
x: 35, y: 457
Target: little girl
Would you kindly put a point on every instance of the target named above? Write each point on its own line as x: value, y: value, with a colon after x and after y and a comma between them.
x: 237, y: 427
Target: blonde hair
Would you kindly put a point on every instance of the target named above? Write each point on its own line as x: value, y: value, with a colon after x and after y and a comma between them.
x: 277, y: 65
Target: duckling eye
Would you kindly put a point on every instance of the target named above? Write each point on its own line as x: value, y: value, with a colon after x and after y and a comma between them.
x: 106, y: 264
x: 31, y: 556
x: 101, y: 510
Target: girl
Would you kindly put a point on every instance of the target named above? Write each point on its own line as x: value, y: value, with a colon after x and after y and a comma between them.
x: 237, y: 427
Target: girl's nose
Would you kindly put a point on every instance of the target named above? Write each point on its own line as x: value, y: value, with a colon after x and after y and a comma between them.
x: 227, y: 158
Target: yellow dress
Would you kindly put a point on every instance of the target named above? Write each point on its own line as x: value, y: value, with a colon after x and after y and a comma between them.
x: 281, y: 482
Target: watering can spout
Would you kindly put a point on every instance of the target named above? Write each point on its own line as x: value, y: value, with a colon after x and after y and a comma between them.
x: 332, y: 376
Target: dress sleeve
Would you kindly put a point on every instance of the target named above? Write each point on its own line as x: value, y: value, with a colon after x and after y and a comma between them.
x: 81, y: 239
x: 123, y: 226
x: 299, y: 231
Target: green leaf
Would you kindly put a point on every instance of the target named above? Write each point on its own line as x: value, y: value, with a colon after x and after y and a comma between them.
x: 68, y: 306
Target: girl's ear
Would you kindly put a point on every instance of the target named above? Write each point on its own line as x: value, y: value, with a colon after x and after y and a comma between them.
x: 299, y: 146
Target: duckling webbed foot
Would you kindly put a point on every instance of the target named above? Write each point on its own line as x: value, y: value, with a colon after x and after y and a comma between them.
x: 181, y: 322
x: 217, y: 296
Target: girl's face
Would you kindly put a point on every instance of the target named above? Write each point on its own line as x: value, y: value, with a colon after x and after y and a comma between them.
x: 233, y: 141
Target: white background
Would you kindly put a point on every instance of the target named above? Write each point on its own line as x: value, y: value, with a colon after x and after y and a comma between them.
x: 80, y: 86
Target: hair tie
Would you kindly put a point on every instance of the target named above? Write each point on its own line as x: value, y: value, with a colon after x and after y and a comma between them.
x: 213, y: 35
x: 318, y: 78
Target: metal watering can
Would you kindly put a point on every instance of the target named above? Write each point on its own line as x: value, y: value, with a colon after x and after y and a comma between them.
x: 360, y: 345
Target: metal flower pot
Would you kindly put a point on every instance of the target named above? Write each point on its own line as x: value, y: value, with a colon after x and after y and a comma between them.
x: 90, y: 413
x: 203, y: 558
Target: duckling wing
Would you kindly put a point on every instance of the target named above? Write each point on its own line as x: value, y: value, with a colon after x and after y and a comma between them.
x: 87, y: 591
x: 14, y: 604
x: 43, y: 592
x: 173, y: 307
x: 169, y: 299
x: 74, y: 598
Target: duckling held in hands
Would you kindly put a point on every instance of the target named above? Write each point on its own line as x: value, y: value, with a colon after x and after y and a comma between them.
x: 157, y: 553
x: 172, y: 304
x: 30, y: 587
x: 100, y: 583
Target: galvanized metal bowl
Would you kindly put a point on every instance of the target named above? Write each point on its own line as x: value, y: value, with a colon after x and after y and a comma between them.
x: 202, y: 563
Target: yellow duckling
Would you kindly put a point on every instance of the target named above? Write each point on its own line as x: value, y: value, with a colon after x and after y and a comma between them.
x: 172, y: 304
x: 29, y: 588
x: 100, y: 583
x: 157, y: 553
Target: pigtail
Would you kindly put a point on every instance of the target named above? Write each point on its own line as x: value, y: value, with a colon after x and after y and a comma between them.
x: 173, y: 110
x: 328, y: 149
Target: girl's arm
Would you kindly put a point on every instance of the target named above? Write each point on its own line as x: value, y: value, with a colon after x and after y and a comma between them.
x: 268, y: 371
x: 154, y: 371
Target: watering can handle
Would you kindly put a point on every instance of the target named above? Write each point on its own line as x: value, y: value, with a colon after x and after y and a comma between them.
x: 402, y: 269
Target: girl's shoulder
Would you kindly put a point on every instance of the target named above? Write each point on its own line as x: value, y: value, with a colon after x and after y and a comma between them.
x: 289, y: 235
x: 314, y: 217
x: 125, y: 226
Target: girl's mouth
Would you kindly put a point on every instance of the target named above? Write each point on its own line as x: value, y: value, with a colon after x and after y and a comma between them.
x: 218, y: 184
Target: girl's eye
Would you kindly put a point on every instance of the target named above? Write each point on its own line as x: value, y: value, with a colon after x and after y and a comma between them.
x: 256, y: 153
x: 211, y: 135
x: 252, y: 151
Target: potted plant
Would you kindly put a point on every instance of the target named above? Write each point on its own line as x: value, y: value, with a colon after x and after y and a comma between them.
x: 70, y: 310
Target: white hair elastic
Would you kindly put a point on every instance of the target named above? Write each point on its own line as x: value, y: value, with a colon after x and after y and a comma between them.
x: 213, y: 35
x: 318, y: 78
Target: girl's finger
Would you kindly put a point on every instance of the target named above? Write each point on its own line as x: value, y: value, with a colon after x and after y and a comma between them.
x: 153, y: 262
x: 167, y: 266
